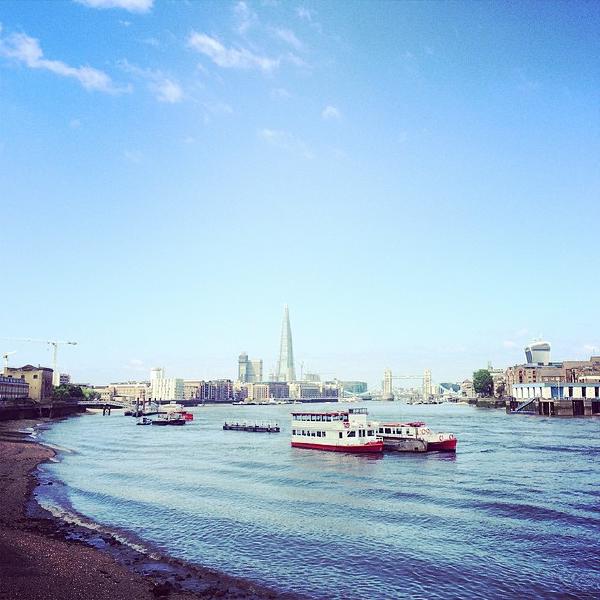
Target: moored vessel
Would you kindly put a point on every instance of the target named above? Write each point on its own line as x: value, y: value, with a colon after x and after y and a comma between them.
x: 337, y: 431
x: 415, y: 437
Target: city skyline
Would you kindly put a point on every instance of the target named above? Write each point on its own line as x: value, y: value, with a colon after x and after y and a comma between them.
x: 415, y: 179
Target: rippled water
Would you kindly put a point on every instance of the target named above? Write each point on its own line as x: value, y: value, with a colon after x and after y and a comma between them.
x: 515, y: 514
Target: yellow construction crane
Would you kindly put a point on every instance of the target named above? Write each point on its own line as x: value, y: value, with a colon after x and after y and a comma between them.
x: 55, y: 344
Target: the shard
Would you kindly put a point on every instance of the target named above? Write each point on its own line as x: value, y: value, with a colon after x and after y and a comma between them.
x: 285, y: 366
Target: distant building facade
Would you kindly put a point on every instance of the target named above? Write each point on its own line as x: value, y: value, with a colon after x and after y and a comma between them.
x: 12, y: 388
x: 38, y: 378
x: 354, y: 387
x: 218, y: 390
x: 65, y: 379
x: 249, y: 371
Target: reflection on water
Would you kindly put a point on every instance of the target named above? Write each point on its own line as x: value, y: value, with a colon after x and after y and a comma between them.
x: 513, y: 514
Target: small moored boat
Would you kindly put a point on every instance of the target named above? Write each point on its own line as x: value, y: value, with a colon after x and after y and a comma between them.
x: 415, y: 437
x: 252, y: 427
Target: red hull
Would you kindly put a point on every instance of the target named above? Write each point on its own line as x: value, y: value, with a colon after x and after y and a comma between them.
x: 445, y: 446
x: 372, y: 447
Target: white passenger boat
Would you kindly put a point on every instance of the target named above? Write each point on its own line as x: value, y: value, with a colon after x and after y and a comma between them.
x: 337, y: 431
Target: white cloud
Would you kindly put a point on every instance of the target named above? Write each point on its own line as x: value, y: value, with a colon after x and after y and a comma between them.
x: 167, y: 91
x: 164, y: 88
x: 287, y: 36
x: 230, y: 58
x: 280, y: 93
x: 285, y: 141
x: 331, y: 112
x: 245, y: 17
x: 27, y: 50
x: 305, y: 14
x: 139, y: 6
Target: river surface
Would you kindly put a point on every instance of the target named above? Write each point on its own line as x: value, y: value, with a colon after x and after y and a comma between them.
x: 514, y: 514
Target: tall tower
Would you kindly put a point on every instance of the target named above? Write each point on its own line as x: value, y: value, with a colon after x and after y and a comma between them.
x: 285, y: 366
x: 427, y: 387
x: 388, y: 385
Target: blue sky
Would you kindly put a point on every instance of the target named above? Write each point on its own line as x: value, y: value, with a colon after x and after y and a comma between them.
x: 418, y: 181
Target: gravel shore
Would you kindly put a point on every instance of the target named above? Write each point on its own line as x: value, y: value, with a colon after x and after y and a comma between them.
x: 43, y: 558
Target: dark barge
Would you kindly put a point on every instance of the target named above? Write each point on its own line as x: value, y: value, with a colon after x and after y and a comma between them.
x: 252, y: 427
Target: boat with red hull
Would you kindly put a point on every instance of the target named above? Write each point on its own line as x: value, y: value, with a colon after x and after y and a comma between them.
x: 336, y: 431
x: 415, y: 437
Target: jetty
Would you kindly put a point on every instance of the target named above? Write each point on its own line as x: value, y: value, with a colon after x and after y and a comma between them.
x: 252, y: 427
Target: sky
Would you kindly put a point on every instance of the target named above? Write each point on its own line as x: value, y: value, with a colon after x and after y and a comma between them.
x: 418, y: 181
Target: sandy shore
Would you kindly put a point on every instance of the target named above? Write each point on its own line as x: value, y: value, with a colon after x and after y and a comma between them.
x: 44, y: 558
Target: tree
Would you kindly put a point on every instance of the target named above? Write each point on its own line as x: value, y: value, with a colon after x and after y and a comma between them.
x: 67, y: 391
x: 483, y: 382
x: 500, y: 389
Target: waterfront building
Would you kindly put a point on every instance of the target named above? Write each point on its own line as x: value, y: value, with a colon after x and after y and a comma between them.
x: 560, y: 398
x: 285, y: 366
x: 38, y: 378
x: 263, y: 392
x: 218, y: 390
x: 167, y: 388
x: 427, y: 387
x: 307, y: 390
x: 12, y: 388
x: 354, y: 387
x: 191, y: 389
x: 498, y: 379
x: 65, y: 379
x: 249, y: 371
x: 129, y: 391
x: 387, y: 385
x: 467, y: 390
x: 553, y: 372
x: 311, y: 377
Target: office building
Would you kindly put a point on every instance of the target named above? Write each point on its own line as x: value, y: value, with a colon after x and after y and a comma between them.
x: 249, y: 371
x: 12, y: 388
x: 218, y: 390
x: 38, y: 378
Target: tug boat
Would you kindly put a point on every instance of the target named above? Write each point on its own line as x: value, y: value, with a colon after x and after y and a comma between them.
x: 414, y: 437
x: 173, y: 414
x: 339, y: 431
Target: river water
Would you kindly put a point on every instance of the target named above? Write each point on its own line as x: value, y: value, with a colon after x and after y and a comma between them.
x: 514, y: 514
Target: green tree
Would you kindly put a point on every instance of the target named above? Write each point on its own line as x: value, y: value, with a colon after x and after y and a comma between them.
x: 67, y: 391
x: 483, y: 382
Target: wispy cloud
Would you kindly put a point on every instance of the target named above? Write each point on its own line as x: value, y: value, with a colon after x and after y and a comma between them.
x: 245, y: 17
x: 135, y: 6
x: 285, y: 141
x: 133, y: 156
x: 27, y: 50
x: 280, y: 93
x: 331, y: 112
x: 305, y: 14
x: 165, y: 89
x: 230, y: 58
x: 287, y: 36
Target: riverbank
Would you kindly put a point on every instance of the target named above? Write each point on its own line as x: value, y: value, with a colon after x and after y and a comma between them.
x: 42, y: 557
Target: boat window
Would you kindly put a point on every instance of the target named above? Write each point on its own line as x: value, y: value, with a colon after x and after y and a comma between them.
x: 293, y: 432
x: 381, y: 430
x: 370, y: 433
x: 352, y: 434
x: 313, y: 434
x: 318, y: 434
x: 323, y: 433
x: 388, y: 430
x: 329, y: 417
x: 318, y: 418
x: 341, y: 434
